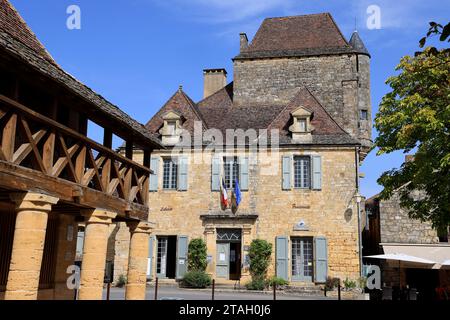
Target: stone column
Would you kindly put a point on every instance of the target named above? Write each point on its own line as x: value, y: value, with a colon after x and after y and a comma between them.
x: 210, y: 238
x: 94, y: 253
x: 28, y: 244
x: 137, y: 260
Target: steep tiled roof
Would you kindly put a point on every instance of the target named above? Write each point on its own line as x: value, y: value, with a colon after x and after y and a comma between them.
x: 218, y: 112
x: 181, y: 104
x: 23, y: 45
x: 305, y: 35
x: 13, y: 24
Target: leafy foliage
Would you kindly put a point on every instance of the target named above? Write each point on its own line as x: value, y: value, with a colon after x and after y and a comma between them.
x: 256, y: 284
x: 259, y: 253
x: 121, y: 281
x: 197, y: 255
x: 196, y: 279
x: 278, y: 282
x: 415, y: 116
x: 349, y: 284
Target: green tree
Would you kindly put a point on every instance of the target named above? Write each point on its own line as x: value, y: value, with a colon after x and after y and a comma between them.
x: 197, y: 255
x: 415, y: 116
x: 259, y: 254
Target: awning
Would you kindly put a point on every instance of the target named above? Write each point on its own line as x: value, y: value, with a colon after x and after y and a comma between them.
x: 439, y: 253
x: 401, y: 257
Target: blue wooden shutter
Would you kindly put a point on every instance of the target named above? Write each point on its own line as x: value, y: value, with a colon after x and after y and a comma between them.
x: 150, y: 257
x: 286, y: 169
x: 215, y: 173
x: 182, y: 252
x: 183, y: 173
x: 320, y: 260
x: 243, y: 173
x: 282, y: 254
x: 317, y: 172
x: 154, y: 166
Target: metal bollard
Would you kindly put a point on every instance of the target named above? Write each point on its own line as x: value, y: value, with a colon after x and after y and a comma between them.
x: 108, y: 290
x: 213, y: 288
x: 156, y: 288
x: 339, y: 291
x: 274, y: 291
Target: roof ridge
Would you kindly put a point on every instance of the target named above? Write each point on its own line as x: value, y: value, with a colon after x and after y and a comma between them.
x: 337, y: 28
x: 215, y: 93
x: 298, y: 15
x: 194, y: 108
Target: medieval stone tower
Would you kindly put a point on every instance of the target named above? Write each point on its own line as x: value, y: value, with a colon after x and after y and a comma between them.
x: 291, y: 52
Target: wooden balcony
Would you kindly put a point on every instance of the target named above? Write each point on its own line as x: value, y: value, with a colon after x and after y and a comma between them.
x: 38, y: 153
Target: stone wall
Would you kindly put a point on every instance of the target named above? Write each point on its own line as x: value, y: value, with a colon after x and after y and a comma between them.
x: 330, y: 212
x: 118, y: 248
x: 276, y: 81
x: 397, y: 227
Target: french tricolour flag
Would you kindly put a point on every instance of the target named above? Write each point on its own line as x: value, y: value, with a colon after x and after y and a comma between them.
x: 223, y: 195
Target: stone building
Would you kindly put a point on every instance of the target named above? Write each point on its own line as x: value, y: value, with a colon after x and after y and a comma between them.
x: 53, y: 177
x: 390, y: 230
x: 300, y: 85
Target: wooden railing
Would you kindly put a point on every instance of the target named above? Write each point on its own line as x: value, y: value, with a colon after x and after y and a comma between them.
x: 32, y: 140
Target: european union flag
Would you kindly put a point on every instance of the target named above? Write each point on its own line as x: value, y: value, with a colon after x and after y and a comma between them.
x: 237, y: 192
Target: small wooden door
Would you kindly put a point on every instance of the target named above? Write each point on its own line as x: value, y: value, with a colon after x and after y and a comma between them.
x: 223, y: 260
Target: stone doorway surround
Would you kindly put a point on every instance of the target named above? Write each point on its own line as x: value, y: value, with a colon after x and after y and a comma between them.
x: 245, y: 222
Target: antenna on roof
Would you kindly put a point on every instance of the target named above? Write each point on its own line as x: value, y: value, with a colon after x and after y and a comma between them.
x: 356, y: 30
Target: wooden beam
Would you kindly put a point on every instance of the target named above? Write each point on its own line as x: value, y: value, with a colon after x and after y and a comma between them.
x: 147, y: 155
x: 24, y: 150
x: 107, y: 138
x: 34, y: 148
x: 15, y: 177
x: 54, y: 109
x: 69, y: 153
x: 9, y: 137
x: 129, y: 150
x: 80, y: 163
x: 49, y: 152
x: 106, y: 174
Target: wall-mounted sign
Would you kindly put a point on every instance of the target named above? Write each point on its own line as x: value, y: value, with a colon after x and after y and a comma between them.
x: 301, y: 226
x: 246, y: 248
x: 166, y: 209
x: 209, y: 259
x: 298, y: 206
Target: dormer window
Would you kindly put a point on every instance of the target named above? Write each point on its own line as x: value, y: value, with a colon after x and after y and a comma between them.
x: 301, y: 125
x: 171, y: 129
x: 171, y: 126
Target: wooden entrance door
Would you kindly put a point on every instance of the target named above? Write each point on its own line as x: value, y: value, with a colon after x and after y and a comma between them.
x: 223, y: 260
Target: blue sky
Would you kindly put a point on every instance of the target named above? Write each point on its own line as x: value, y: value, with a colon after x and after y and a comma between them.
x: 137, y: 52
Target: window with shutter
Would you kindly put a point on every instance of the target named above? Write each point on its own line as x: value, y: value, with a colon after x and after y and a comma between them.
x: 231, y: 171
x: 302, y: 172
x: 170, y: 174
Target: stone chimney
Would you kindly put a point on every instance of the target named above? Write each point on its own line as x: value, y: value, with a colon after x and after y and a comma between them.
x: 244, y: 41
x: 214, y: 80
